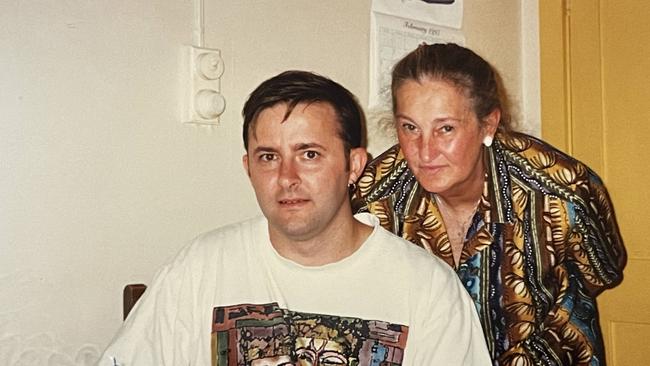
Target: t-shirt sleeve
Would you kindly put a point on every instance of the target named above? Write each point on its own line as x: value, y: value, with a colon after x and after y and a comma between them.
x: 447, y: 329
x: 157, y: 330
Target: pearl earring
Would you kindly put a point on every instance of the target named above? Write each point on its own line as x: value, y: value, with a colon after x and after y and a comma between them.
x: 487, y: 141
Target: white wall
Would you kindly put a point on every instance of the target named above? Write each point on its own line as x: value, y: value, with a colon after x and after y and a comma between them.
x: 101, y: 183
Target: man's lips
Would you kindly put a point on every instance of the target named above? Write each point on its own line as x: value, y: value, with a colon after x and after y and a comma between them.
x: 292, y: 201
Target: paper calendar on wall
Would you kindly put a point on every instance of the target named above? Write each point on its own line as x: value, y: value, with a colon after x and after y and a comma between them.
x: 399, y: 26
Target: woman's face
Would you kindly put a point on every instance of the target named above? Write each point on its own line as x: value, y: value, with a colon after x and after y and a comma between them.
x: 441, y: 137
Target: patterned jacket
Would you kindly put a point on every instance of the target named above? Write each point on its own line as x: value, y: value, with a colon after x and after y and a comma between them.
x: 542, y: 244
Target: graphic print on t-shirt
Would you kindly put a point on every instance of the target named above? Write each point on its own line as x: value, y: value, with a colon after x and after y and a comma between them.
x: 267, y: 335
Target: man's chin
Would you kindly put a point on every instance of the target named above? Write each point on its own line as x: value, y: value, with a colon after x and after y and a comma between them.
x: 296, y: 230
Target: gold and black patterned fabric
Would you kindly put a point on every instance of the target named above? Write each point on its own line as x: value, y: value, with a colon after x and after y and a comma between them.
x: 542, y: 245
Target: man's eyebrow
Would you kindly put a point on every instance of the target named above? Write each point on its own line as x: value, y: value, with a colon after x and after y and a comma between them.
x: 296, y: 147
x: 263, y: 149
x: 309, y: 145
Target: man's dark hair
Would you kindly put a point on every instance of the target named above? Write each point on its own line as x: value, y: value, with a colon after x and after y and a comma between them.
x: 294, y: 87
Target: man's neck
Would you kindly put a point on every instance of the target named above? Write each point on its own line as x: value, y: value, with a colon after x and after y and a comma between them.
x: 335, y: 243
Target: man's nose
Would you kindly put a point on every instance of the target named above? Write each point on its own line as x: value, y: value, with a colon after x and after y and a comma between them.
x: 288, y: 174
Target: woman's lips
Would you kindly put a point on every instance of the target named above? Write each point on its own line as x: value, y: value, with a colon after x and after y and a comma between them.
x: 431, y: 168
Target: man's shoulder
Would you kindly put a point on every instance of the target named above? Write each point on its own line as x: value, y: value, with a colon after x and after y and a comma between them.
x: 238, y: 231
x: 408, y: 255
x: 414, y: 271
x: 227, y: 240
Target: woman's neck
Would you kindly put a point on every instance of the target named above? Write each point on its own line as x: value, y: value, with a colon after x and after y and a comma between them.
x: 458, y: 209
x: 465, y: 197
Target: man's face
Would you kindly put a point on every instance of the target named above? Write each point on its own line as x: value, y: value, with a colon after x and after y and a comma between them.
x: 299, y: 170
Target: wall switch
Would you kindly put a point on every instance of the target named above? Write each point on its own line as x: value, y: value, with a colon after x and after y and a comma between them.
x: 203, y: 102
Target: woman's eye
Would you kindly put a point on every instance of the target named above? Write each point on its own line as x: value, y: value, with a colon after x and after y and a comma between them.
x: 447, y: 128
x: 408, y: 127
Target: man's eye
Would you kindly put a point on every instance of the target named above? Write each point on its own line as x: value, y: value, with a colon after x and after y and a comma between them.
x: 267, y: 157
x: 310, y: 154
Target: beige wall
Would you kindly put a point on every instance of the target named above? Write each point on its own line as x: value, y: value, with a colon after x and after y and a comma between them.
x: 101, y: 182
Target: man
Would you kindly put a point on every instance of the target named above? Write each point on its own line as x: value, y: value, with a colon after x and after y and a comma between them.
x: 308, y: 283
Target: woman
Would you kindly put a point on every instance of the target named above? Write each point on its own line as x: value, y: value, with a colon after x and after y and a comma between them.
x: 530, y: 231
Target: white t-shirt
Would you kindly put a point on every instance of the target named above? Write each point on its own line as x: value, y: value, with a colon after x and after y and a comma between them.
x: 229, y: 298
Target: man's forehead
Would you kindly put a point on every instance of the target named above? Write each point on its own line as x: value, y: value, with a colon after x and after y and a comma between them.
x: 307, y: 118
x: 284, y: 110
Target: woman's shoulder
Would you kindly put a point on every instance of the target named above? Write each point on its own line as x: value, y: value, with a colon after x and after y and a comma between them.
x: 532, y: 147
x: 545, y: 163
x: 387, y: 159
x: 381, y: 175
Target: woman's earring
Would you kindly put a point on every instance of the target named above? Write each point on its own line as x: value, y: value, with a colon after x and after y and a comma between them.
x: 487, y: 141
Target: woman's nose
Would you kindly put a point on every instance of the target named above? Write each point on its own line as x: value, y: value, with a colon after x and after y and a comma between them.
x: 428, y: 149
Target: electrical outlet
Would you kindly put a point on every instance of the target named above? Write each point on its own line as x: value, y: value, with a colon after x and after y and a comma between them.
x: 203, y: 102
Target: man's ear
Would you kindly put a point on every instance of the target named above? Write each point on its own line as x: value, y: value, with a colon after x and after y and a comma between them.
x: 358, y: 159
x: 244, y: 160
